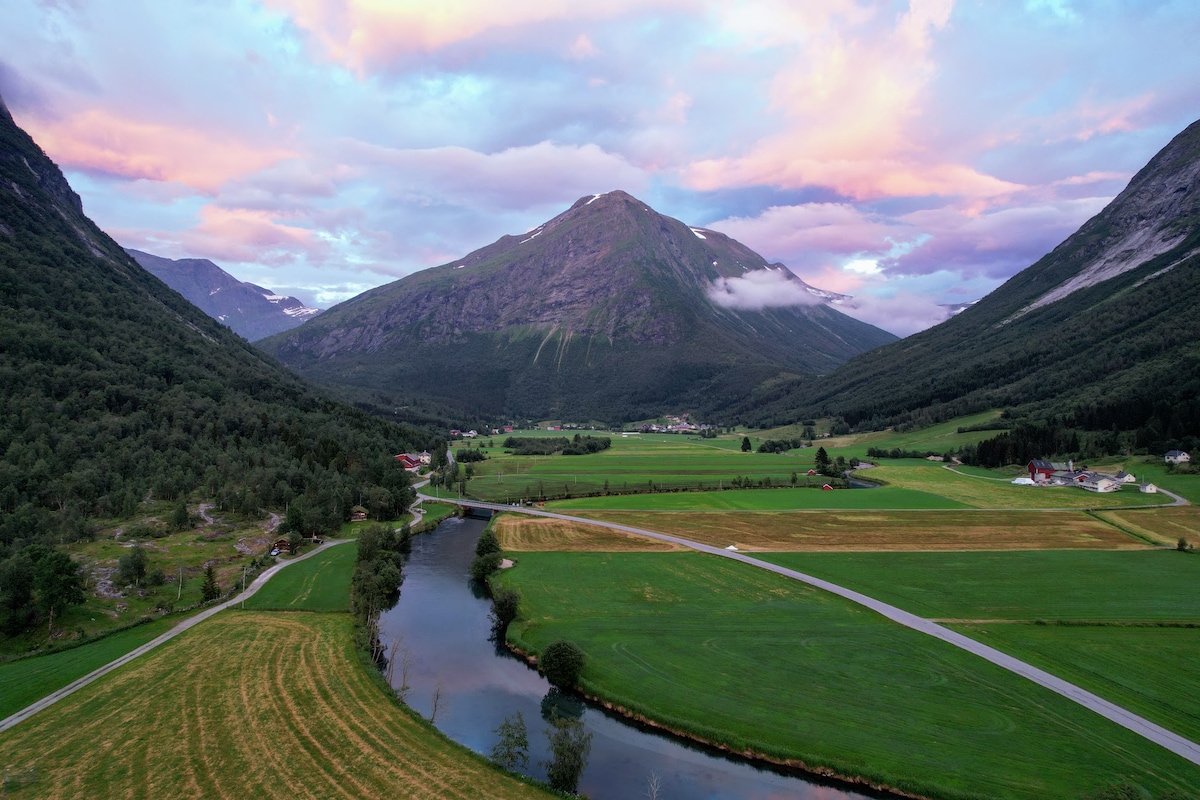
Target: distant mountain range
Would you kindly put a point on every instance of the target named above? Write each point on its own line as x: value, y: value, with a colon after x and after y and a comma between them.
x: 1101, y: 333
x: 251, y: 311
x: 609, y: 311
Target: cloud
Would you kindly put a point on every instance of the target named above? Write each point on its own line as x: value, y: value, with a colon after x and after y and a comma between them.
x: 98, y: 140
x: 518, y: 177
x: 369, y: 35
x: 902, y: 313
x: 759, y: 289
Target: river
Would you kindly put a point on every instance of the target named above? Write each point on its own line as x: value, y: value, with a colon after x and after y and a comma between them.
x: 441, y: 626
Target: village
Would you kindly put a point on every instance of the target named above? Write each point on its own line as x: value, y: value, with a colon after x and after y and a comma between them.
x: 1054, y: 473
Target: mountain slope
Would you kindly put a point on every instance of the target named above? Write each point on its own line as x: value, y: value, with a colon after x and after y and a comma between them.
x: 114, y: 388
x: 250, y: 311
x: 1103, y: 331
x: 606, y: 311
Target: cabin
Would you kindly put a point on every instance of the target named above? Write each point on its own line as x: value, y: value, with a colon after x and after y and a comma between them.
x: 358, y: 514
x: 1148, y: 488
x: 1177, y: 457
x: 812, y: 472
x: 1124, y: 477
x: 827, y: 488
x: 281, y: 544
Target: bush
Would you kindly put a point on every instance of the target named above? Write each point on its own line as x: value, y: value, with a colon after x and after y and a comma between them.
x: 488, y: 543
x: 561, y: 662
x: 1182, y: 544
x: 483, y: 566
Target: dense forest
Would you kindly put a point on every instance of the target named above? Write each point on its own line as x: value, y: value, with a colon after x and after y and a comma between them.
x: 115, y: 391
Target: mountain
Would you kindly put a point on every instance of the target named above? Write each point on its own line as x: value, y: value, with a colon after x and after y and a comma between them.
x: 251, y: 311
x: 1101, y: 333
x: 609, y: 311
x: 114, y: 388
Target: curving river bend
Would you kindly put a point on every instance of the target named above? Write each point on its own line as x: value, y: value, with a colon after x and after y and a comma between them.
x: 441, y: 627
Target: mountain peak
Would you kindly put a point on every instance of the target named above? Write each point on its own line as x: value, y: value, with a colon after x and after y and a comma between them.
x: 606, y: 311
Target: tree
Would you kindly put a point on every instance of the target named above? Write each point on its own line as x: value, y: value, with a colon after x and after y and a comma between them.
x: 131, y: 567
x: 512, y: 749
x: 209, y: 590
x: 570, y: 745
x: 505, y: 605
x: 294, y: 540
x: 17, y: 609
x: 488, y: 543
x: 180, y: 519
x: 562, y: 661
x: 746, y: 446
x: 822, y: 459
x: 57, y: 583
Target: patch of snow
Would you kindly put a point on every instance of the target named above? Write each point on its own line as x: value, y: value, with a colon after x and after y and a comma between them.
x: 301, y: 312
x: 275, y: 298
x: 536, y: 234
x: 221, y: 318
x: 699, y: 234
x: 595, y: 197
x: 214, y: 291
x: 460, y: 266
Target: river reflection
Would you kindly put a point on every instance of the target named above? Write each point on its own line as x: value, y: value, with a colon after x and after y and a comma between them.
x: 441, y: 627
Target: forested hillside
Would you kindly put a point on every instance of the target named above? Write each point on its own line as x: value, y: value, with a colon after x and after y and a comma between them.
x: 114, y: 389
x: 1101, y: 334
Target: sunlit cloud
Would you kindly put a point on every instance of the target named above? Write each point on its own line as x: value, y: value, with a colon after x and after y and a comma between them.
x: 759, y: 289
x: 100, y: 141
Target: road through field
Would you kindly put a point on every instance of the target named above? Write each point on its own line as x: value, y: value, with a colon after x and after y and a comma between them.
x: 186, y: 624
x: 1127, y: 719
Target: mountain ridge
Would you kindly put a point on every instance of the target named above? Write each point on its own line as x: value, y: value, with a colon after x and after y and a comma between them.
x: 1101, y: 331
x: 249, y: 310
x: 607, y: 291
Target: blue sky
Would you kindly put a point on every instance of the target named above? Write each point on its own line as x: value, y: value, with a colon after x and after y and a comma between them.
x: 909, y: 153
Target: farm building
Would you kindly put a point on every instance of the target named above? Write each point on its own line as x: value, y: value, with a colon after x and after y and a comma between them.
x: 1040, y: 470
x: 1148, y: 488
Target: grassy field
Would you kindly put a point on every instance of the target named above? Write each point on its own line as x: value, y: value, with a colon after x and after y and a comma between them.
x: 765, y: 500
x: 318, y: 583
x: 938, y: 438
x: 1162, y: 525
x: 882, y: 530
x: 26, y: 680
x: 1140, y: 586
x: 738, y: 655
x: 249, y: 704
x: 1150, y: 671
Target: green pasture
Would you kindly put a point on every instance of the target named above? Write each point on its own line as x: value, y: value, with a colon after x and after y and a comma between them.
x: 753, y: 660
x: 938, y: 438
x: 27, y: 680
x: 1095, y: 585
x: 764, y: 500
x: 318, y: 583
x: 1149, y: 670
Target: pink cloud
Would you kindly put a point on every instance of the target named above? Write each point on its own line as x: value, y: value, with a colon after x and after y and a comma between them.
x: 245, y: 235
x: 366, y: 35
x: 99, y: 140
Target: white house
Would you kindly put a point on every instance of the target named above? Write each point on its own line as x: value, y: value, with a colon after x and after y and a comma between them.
x: 1178, y: 457
x: 1148, y: 488
x: 1099, y: 483
x: 1124, y: 477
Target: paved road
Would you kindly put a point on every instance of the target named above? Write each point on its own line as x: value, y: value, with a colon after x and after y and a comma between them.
x: 1139, y: 725
x: 190, y: 622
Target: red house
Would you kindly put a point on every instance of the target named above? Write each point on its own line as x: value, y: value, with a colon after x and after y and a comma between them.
x: 407, y: 461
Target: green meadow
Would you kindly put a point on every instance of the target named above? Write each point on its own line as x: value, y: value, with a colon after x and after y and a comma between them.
x: 318, y: 583
x: 26, y: 680
x: 754, y: 661
x: 764, y: 500
x: 1092, y: 585
x: 1147, y: 670
x: 645, y: 472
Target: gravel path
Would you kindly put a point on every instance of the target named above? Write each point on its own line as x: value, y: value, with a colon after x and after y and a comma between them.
x: 190, y: 622
x: 1127, y: 719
